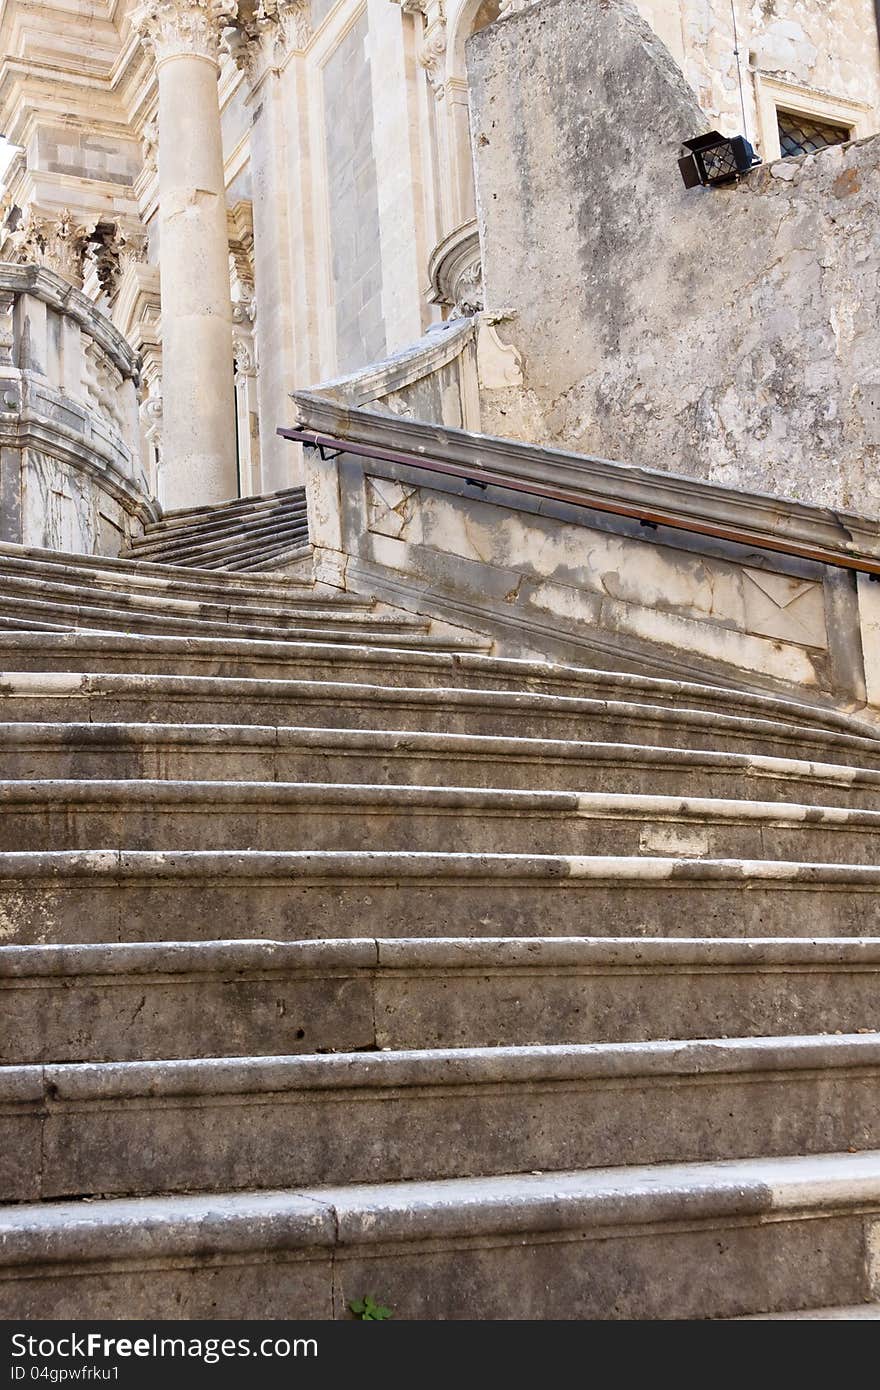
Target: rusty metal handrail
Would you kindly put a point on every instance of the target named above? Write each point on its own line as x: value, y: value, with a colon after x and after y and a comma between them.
x: 479, y: 477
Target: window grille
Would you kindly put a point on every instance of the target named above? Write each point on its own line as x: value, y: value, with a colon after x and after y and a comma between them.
x: 806, y: 135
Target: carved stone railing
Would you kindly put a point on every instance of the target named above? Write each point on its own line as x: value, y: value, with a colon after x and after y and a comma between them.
x: 444, y: 378
x: 70, y: 452
x: 435, y: 379
x: 554, y: 554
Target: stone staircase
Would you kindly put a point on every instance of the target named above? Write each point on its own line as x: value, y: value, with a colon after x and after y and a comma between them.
x: 341, y: 955
x: 254, y: 533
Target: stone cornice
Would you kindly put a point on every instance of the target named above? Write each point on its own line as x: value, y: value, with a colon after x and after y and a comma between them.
x: 183, y: 28
x: 32, y: 95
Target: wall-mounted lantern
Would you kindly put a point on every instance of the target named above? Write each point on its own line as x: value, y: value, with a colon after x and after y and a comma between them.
x: 716, y: 159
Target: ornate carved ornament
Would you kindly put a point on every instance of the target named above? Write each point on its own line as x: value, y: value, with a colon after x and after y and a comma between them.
x: 150, y: 144
x: 244, y: 304
x: 243, y: 357
x: 241, y: 262
x: 469, y: 296
x: 150, y: 411
x: 432, y: 55
x: 265, y: 31
x: 433, y: 46
x: 174, y: 28
x: 456, y: 272
x: 113, y: 249
x: 57, y: 242
x: 431, y: 9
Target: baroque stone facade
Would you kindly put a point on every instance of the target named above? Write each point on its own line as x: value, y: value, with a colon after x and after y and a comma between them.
x: 338, y: 134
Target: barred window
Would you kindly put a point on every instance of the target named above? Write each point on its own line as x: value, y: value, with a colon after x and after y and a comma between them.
x: 806, y: 135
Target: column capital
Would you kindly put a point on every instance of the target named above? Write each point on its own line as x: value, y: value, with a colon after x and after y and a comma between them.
x: 56, y: 240
x: 183, y: 28
x: 265, y: 31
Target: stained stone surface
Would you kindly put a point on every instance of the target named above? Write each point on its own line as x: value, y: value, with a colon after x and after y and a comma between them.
x: 727, y: 334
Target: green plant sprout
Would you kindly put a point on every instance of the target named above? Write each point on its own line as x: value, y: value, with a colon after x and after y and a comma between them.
x: 368, y: 1310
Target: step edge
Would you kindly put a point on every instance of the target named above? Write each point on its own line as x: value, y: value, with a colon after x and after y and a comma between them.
x: 58, y: 1084
x: 520, y: 955
x: 447, y: 1209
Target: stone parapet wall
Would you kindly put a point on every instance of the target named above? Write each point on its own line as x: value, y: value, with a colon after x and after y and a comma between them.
x: 728, y: 334
x: 434, y: 380
x: 547, y: 575
x: 70, y: 473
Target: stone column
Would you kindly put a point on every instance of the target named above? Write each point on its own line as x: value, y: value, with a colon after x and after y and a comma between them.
x: 198, y: 406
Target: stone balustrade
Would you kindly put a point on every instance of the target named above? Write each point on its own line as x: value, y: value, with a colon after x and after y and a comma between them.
x: 546, y: 567
x: 434, y: 379
x: 70, y: 449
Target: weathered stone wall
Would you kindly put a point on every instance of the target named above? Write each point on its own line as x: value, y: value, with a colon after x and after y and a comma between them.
x: 85, y: 155
x: 729, y: 334
x: 824, y: 45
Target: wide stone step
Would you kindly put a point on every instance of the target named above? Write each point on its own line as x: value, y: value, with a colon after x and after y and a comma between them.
x: 52, y: 696
x: 224, y: 752
x: 176, y: 522
x: 239, y: 554
x: 184, y: 516
x: 228, y: 540
x: 20, y: 574
x: 465, y: 667
x: 236, y: 545
x: 855, y: 1311
x: 221, y: 513
x: 163, y: 603
x: 268, y: 815
x: 151, y: 1001
x: 30, y: 626
x: 223, y: 522
x: 81, y: 896
x: 215, y: 1124
x: 251, y: 560
x: 687, y: 1241
x: 276, y: 560
x: 142, y: 570
x: 108, y: 614
x: 272, y: 560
